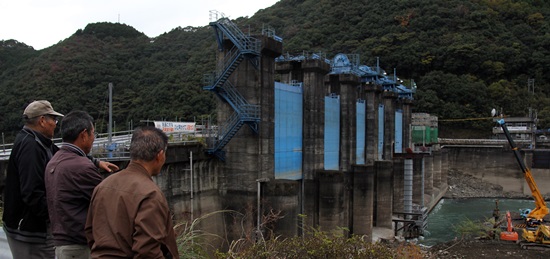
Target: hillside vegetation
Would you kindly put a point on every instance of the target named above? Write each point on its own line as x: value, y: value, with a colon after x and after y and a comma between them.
x: 466, y: 57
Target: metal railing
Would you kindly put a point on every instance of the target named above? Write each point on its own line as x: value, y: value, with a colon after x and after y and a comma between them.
x: 118, y: 147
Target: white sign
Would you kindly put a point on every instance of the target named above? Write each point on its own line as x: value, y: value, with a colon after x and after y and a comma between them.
x: 174, y: 127
x: 517, y: 128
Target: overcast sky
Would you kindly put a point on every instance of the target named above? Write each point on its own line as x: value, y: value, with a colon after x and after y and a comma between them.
x: 42, y: 23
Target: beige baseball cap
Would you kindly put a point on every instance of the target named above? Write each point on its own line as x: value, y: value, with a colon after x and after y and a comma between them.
x: 39, y: 108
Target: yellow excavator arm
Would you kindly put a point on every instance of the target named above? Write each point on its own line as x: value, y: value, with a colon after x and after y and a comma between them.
x: 541, y: 209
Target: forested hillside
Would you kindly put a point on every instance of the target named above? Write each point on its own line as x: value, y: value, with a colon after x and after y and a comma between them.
x: 466, y: 57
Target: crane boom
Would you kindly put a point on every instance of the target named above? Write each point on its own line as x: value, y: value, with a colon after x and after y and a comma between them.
x: 541, y: 209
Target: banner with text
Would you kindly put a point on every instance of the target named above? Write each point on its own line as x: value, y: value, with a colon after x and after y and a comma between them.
x: 175, y: 127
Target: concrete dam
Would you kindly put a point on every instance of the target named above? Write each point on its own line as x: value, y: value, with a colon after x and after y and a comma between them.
x: 305, y: 141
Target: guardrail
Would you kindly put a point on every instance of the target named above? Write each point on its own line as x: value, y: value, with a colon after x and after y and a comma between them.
x: 119, y: 146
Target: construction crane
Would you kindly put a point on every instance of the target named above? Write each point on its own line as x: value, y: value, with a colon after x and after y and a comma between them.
x: 536, y: 215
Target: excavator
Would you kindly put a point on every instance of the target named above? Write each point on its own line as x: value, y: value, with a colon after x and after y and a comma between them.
x: 509, y: 234
x: 535, y: 232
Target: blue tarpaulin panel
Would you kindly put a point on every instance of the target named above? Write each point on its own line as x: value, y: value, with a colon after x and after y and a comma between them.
x: 288, y: 131
x: 332, y: 132
x: 398, y: 147
x: 380, y: 131
x: 361, y: 132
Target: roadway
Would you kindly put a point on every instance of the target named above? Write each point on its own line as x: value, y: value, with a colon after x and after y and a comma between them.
x: 5, y: 252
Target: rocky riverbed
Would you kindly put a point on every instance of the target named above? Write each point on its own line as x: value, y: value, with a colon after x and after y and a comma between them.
x: 464, y: 185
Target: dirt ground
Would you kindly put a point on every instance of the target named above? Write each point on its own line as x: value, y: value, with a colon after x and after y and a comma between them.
x: 463, y: 185
x: 483, y: 249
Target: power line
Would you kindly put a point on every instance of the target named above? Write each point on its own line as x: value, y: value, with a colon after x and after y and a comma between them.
x: 469, y: 119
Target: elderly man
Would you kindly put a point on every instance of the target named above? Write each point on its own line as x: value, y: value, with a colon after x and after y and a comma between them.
x: 70, y: 179
x: 129, y: 215
x: 25, y: 209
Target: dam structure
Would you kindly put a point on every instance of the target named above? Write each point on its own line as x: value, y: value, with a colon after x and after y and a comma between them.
x: 314, y: 142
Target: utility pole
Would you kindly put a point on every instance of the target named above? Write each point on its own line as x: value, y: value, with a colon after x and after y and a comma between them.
x: 531, y: 85
x: 110, y: 128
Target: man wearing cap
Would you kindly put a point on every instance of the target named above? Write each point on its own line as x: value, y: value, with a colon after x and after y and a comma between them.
x: 25, y: 209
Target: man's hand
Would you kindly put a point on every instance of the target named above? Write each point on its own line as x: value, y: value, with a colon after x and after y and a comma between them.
x: 107, y: 166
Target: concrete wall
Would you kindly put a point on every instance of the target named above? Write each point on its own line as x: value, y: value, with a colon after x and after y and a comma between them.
x: 497, y: 165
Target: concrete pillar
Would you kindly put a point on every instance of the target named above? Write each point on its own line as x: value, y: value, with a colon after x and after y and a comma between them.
x: 282, y: 194
x: 311, y: 72
x: 363, y: 194
x: 240, y: 175
x: 418, y: 181
x: 437, y: 171
x: 428, y: 179
x: 346, y: 85
x: 389, y: 124
x: 333, y: 205
x: 444, y: 169
x: 408, y: 185
x: 407, y: 113
x: 311, y: 203
x: 256, y: 85
x: 372, y: 93
x: 398, y: 184
x: 384, y: 193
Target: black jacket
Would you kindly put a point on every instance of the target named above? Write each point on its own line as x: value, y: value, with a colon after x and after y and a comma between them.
x: 25, y: 209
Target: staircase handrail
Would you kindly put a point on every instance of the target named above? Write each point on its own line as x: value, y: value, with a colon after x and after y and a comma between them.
x: 223, y: 134
x: 234, y: 96
x: 243, y: 42
x: 250, y: 112
x: 228, y: 60
x: 229, y: 124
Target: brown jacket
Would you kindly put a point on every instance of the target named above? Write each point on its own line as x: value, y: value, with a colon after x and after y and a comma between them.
x: 129, y: 218
x: 70, y: 179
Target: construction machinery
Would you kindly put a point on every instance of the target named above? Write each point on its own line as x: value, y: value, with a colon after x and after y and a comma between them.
x: 509, y: 234
x: 539, y: 238
x: 535, y: 234
x: 535, y: 217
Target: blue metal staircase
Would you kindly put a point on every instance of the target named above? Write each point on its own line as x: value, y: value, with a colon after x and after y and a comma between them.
x: 244, y: 47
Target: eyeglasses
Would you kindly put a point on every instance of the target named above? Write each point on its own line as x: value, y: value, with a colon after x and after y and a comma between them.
x: 54, y: 118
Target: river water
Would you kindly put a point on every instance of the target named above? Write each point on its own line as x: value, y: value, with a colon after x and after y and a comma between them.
x: 450, y: 212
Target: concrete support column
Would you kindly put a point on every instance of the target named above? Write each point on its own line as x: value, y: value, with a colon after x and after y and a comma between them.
x: 363, y: 194
x: 311, y: 203
x: 346, y: 85
x: 408, y: 185
x: 256, y: 85
x: 398, y: 184
x: 437, y: 171
x: 428, y: 179
x: 389, y: 124
x: 384, y: 193
x: 284, y: 194
x: 444, y: 169
x: 418, y: 181
x: 311, y: 73
x: 371, y: 102
x: 332, y: 201
x: 407, y: 113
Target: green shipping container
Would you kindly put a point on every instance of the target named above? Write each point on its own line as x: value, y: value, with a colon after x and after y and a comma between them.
x: 424, y: 134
